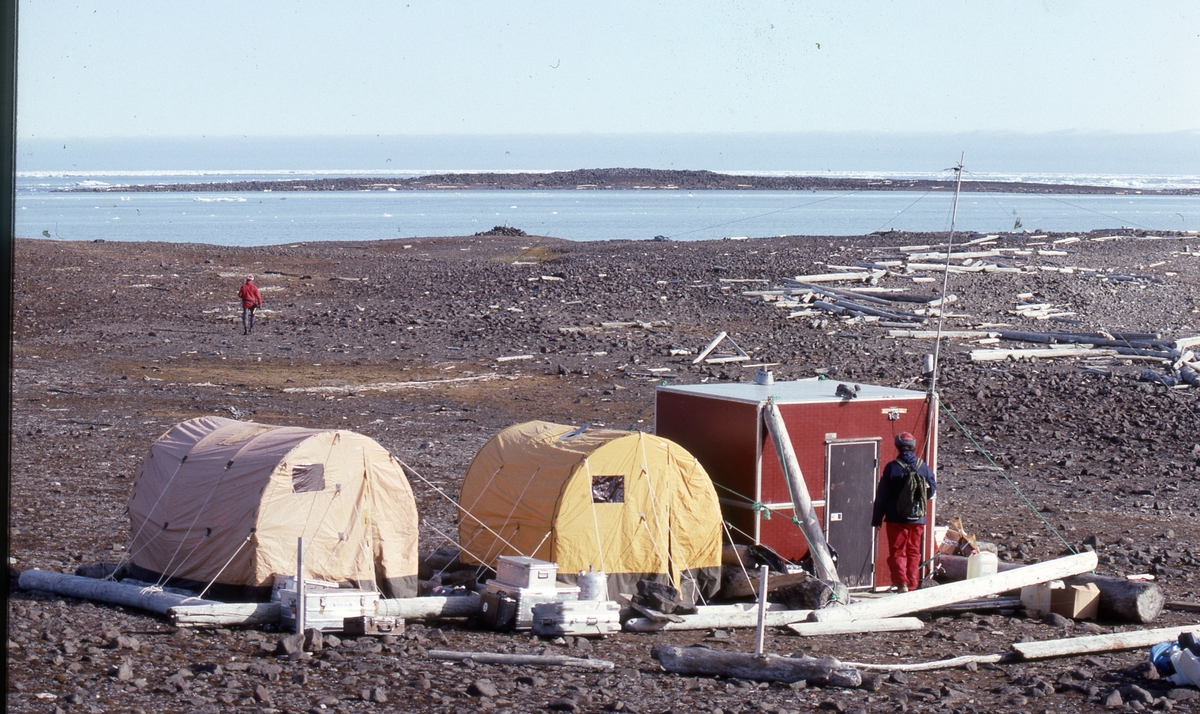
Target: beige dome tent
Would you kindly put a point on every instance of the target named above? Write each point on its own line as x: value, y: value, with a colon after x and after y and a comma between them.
x: 631, y: 504
x: 221, y: 503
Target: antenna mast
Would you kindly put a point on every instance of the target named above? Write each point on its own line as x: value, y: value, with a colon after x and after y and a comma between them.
x: 937, y: 344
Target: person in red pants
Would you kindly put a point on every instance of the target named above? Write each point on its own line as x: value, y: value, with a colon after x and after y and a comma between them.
x: 900, y: 510
x: 251, y: 301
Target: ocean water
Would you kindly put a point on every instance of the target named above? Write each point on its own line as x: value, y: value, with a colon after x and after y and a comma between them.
x: 266, y: 218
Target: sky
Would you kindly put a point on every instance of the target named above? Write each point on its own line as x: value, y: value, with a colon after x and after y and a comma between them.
x: 272, y: 69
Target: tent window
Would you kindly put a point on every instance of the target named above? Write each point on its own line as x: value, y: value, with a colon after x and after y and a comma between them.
x: 308, y: 477
x: 608, y: 489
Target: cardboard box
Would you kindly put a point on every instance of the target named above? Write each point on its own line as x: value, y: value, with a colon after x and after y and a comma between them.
x: 1078, y: 602
x: 1036, y: 598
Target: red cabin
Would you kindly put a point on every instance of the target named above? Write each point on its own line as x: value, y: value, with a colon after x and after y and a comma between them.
x: 842, y: 443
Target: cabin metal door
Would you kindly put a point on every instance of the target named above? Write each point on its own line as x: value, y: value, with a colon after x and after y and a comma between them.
x: 851, y: 472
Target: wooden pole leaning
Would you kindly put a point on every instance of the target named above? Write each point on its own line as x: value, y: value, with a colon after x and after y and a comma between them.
x: 801, y: 500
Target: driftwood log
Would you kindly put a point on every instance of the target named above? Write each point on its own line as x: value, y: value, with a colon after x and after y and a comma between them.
x: 719, y: 616
x: 225, y: 614
x: 822, y: 671
x: 809, y: 524
x: 1140, y: 601
x: 141, y: 597
x: 928, y: 666
x: 1134, y: 639
x: 512, y: 659
x: 925, y: 598
x: 422, y: 608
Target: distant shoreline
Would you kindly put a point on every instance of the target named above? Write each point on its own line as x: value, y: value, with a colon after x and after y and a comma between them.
x: 622, y: 179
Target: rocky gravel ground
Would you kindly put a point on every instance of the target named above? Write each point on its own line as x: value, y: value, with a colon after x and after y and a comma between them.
x: 115, y: 342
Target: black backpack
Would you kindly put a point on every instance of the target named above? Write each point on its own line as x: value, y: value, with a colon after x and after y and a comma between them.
x: 913, y: 493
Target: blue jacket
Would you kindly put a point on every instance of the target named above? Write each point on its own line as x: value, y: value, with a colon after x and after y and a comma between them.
x: 889, y: 485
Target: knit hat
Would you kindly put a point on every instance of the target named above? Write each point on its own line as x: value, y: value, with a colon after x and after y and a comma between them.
x: 905, y: 441
x: 249, y: 278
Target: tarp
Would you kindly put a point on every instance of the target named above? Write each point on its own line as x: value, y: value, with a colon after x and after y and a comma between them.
x: 221, y: 504
x: 629, y: 503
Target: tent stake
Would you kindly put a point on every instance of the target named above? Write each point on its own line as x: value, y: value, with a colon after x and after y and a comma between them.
x: 762, y: 610
x: 300, y: 604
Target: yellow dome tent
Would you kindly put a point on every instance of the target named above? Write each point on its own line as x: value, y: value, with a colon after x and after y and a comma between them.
x: 632, y: 504
x: 220, y: 504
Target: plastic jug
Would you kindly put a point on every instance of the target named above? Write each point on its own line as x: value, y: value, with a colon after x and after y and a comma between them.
x: 1187, y: 668
x: 981, y: 564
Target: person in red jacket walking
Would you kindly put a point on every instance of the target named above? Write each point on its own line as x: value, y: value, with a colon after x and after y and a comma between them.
x: 251, y: 300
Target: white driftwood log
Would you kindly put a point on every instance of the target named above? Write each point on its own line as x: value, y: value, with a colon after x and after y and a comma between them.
x: 534, y: 660
x: 719, y: 616
x: 766, y: 668
x: 111, y: 591
x: 224, y: 614
x: 801, y: 501
x: 999, y: 355
x: 916, y: 600
x: 422, y: 608
x: 945, y: 334
x: 927, y: 666
x: 1140, y: 601
x: 1134, y: 639
x: 888, y: 624
x: 859, y: 276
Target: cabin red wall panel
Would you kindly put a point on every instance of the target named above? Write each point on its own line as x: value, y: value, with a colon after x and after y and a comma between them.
x: 720, y: 425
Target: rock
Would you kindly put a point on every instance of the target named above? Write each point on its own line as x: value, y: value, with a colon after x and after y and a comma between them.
x: 871, y: 681
x: 262, y: 695
x: 314, y: 640
x: 1056, y: 620
x: 563, y: 704
x: 1113, y: 700
x: 966, y: 636
x: 123, y: 672
x: 1134, y: 693
x: 1180, y: 694
x: 483, y: 688
x: 898, y: 676
x: 373, y: 694
x: 289, y: 644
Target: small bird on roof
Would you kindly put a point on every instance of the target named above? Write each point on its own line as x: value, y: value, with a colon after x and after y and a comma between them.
x: 845, y: 391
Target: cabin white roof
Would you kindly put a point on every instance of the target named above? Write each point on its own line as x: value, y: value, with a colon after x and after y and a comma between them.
x: 803, y: 391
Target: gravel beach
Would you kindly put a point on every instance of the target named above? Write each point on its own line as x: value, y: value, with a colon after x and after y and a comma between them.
x: 431, y: 346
